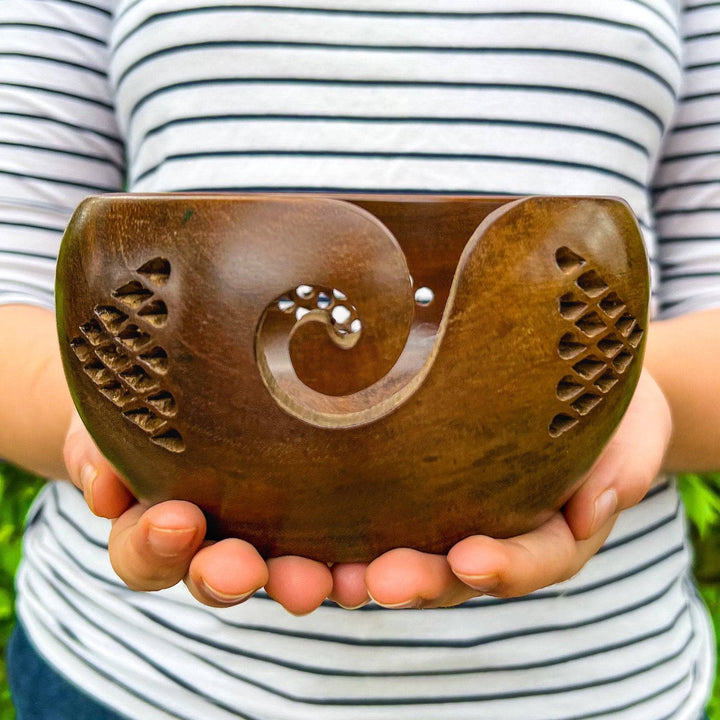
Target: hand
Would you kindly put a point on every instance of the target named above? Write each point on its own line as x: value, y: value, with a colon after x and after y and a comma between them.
x: 552, y: 553
x: 155, y: 547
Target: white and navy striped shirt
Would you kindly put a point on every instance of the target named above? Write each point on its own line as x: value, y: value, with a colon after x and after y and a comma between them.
x: 461, y: 96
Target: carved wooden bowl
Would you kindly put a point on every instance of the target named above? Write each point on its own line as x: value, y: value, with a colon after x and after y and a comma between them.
x: 336, y: 376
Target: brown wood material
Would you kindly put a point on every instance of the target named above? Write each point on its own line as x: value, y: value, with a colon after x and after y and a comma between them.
x: 264, y: 357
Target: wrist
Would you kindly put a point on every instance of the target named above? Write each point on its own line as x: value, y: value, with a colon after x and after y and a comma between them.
x: 681, y: 356
x: 36, y: 408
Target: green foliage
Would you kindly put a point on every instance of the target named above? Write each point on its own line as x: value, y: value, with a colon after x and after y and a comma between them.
x: 701, y: 495
x: 17, y: 490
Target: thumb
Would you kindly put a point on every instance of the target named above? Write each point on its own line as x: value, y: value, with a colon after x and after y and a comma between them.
x: 101, y: 485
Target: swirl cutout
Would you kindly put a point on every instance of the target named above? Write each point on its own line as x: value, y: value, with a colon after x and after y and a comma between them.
x: 294, y: 355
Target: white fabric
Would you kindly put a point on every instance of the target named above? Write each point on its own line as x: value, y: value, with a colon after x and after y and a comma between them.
x: 485, y: 96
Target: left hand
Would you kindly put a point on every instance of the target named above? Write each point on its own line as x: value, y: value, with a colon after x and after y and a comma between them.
x: 554, y: 552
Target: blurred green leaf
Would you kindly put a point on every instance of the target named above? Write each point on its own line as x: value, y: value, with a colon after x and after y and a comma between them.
x: 17, y: 490
x: 701, y: 495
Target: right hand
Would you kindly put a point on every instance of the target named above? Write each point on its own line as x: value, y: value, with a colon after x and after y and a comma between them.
x: 154, y: 547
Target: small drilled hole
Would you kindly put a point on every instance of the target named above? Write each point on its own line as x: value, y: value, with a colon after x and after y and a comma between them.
x: 339, y: 295
x: 341, y: 314
x: 286, y: 304
x: 568, y: 388
x: 583, y: 405
x: 571, y: 308
x: 424, y: 296
x: 569, y: 348
x: 567, y: 260
x: 591, y: 283
x: 561, y: 423
x: 324, y: 301
x: 622, y: 361
x: 589, y: 368
x: 304, y: 292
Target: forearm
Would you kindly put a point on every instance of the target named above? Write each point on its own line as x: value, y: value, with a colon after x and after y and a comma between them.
x: 36, y: 405
x: 683, y: 355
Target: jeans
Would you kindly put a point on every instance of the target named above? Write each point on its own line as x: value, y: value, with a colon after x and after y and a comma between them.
x: 41, y: 693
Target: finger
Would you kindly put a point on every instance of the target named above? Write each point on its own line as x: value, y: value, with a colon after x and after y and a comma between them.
x: 627, y: 467
x: 226, y: 573
x: 104, y: 491
x: 298, y: 584
x: 523, y: 564
x: 405, y: 578
x: 349, y: 590
x: 151, y: 548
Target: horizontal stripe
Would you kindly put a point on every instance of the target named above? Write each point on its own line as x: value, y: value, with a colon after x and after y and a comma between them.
x: 389, y: 155
x: 30, y: 226
x: 55, y: 61
x: 404, y: 120
x: 430, y: 49
x: 433, y: 84
x: 86, y: 5
x: 60, y: 181
x: 59, y: 93
x: 414, y: 643
x: 64, y: 151
x: 685, y: 211
x: 54, y: 29
x: 395, y: 13
x: 109, y: 136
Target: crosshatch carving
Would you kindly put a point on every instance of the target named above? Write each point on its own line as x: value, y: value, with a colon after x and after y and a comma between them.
x: 115, y: 348
x: 599, y: 347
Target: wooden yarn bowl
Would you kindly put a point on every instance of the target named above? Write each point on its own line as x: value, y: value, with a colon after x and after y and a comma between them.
x: 264, y: 357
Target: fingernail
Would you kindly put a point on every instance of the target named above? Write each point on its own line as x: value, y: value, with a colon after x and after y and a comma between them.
x: 88, y: 475
x: 352, y: 607
x: 225, y: 598
x: 414, y: 603
x: 605, y: 508
x: 170, y: 542
x: 482, y: 583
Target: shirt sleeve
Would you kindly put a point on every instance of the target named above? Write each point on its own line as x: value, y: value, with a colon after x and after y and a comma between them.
x: 59, y: 141
x: 687, y: 185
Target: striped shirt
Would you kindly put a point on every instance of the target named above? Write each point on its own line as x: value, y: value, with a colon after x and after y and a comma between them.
x: 464, y: 96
